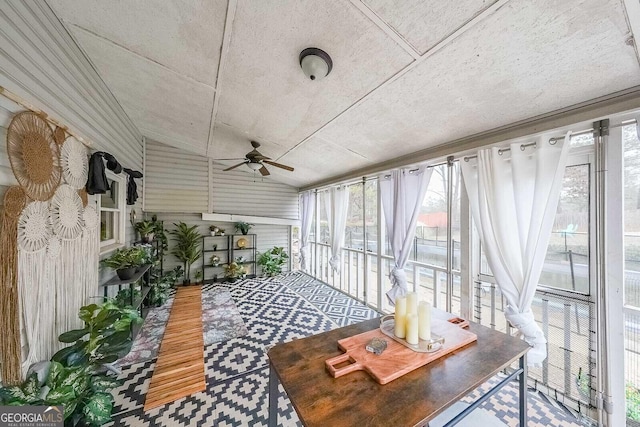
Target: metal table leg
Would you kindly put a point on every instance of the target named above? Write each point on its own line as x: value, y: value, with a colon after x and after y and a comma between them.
x: 523, y: 391
x: 273, y: 397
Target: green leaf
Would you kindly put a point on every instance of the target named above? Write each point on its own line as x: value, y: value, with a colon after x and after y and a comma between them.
x: 106, y: 321
x: 86, y: 312
x: 77, y: 359
x: 69, y: 408
x: 74, y: 335
x: 97, y: 410
x: 31, y: 388
x: 61, y: 395
x: 77, y: 378
x: 13, y: 394
x: 122, y: 324
x: 116, y: 338
x: 57, y: 373
x: 104, y: 383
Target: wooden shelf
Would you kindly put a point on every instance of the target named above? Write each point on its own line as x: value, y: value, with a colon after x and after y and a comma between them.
x: 215, y: 250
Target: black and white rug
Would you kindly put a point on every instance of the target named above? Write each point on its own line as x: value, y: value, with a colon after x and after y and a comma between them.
x: 276, y: 310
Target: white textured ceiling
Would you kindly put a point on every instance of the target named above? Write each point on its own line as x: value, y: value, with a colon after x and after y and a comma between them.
x: 407, y: 75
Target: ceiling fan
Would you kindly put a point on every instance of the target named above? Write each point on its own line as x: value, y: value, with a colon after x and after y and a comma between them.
x: 254, y: 160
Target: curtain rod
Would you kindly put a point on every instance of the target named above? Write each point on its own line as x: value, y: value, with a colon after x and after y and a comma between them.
x: 553, y: 140
x: 25, y: 104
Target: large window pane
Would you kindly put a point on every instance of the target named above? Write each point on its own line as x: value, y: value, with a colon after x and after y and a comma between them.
x: 431, y: 230
x: 353, y: 235
x: 567, y: 262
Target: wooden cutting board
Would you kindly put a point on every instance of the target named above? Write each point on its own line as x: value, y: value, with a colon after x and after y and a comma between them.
x: 397, y: 359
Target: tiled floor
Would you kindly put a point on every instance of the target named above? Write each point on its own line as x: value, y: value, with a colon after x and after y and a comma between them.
x: 277, y: 310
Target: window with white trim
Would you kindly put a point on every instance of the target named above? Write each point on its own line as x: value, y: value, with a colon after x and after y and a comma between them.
x: 112, y: 207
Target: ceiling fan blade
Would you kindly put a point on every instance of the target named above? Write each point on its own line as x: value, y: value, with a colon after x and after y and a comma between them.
x: 264, y: 171
x: 235, y: 158
x: 233, y: 167
x: 278, y: 165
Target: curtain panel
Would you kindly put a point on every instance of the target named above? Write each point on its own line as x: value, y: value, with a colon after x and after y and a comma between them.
x: 402, y: 194
x: 513, y: 199
x: 307, y: 208
x: 336, y: 204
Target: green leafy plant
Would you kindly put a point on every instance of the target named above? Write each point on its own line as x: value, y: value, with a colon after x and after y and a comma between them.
x: 198, y: 276
x: 632, y: 395
x: 146, y: 229
x: 86, y: 396
x: 123, y: 298
x: 105, y: 337
x: 187, y: 247
x: 159, y: 293
x: 272, y: 261
x: 125, y: 258
x: 243, y: 227
x: 234, y: 270
x: 159, y: 233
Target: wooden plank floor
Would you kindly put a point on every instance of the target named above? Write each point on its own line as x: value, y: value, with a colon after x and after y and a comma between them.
x: 179, y: 370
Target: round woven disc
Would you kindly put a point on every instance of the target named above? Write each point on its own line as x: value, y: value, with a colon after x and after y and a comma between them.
x: 59, y: 135
x: 14, y: 201
x: 74, y: 162
x: 66, y: 213
x: 34, y: 227
x: 34, y: 155
x: 83, y: 196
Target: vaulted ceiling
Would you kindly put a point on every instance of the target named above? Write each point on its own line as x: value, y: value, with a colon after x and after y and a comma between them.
x: 208, y: 76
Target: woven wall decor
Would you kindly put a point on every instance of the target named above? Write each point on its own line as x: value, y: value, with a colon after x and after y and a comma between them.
x: 83, y: 196
x: 10, y: 347
x: 74, y: 162
x: 34, y: 227
x: 34, y: 155
x: 66, y: 213
x: 59, y: 135
x: 90, y: 218
x: 54, y: 247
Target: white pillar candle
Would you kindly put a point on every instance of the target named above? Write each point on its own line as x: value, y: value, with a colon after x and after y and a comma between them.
x: 424, y: 320
x: 412, y: 329
x: 400, y: 317
x: 412, y: 303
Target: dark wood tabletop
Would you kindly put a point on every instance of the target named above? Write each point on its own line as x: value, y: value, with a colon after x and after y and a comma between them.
x: 411, y: 400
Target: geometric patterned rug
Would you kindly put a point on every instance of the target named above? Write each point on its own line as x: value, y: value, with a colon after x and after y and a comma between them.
x: 274, y: 310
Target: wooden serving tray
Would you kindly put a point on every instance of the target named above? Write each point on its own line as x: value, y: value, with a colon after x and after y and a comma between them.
x: 397, y: 359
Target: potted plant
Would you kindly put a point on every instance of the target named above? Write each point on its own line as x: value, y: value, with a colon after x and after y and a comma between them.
x: 234, y: 270
x: 213, y: 229
x: 198, y: 276
x: 161, y: 286
x: 147, y: 230
x: 125, y: 261
x: 272, y: 261
x: 243, y: 227
x: 221, y: 231
x: 215, y: 260
x: 187, y: 247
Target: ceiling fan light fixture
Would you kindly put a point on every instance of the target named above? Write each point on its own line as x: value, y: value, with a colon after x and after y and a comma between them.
x: 315, y: 63
x: 254, y: 166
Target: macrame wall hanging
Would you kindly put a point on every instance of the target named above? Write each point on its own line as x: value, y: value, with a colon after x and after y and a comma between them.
x: 66, y: 213
x: 10, y: 348
x: 34, y: 155
x: 74, y: 162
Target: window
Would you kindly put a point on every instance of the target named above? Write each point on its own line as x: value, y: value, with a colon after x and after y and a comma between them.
x: 112, y: 207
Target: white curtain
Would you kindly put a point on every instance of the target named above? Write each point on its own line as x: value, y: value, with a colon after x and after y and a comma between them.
x: 514, y: 198
x: 402, y: 194
x: 336, y: 201
x: 307, y: 207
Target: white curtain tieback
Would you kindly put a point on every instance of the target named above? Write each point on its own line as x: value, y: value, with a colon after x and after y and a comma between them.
x: 334, y: 262
x: 531, y: 332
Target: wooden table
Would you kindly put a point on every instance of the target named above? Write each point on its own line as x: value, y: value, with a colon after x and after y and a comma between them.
x: 411, y: 400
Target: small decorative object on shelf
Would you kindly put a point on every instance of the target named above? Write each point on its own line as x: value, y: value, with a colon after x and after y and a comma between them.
x: 215, y: 246
x: 221, y: 232
x: 241, y: 259
x: 198, y: 277
x: 213, y: 229
x: 243, y: 227
x: 215, y: 260
x: 126, y: 261
x: 242, y: 243
x: 234, y: 271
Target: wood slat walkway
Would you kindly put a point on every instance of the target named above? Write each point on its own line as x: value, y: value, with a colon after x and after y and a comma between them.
x: 179, y: 370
